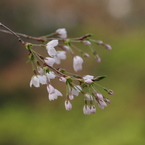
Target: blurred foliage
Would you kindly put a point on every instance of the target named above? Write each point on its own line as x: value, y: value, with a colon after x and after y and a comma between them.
x: 28, y: 117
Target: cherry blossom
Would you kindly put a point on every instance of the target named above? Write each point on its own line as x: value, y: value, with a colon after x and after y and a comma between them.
x: 77, y: 63
x: 60, y: 55
x: 35, y: 81
x: 88, y: 79
x: 76, y: 90
x: 86, y: 110
x: 62, y: 79
x: 49, y: 61
x: 50, y: 47
x: 62, y: 33
x: 86, y: 42
x: 42, y: 79
x: 50, y: 75
x: 53, y: 93
x: 68, y: 105
x: 93, y: 109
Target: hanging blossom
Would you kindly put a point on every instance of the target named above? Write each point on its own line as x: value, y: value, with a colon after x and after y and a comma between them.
x: 76, y: 85
x: 50, y: 47
x: 77, y: 63
x: 88, y: 79
x: 62, y: 33
x: 45, y: 72
x: 53, y: 93
x: 68, y: 105
x: 35, y: 81
x: 60, y: 55
x: 49, y: 61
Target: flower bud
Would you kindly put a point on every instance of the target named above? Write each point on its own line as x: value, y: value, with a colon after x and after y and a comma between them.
x: 68, y: 105
x: 86, y: 42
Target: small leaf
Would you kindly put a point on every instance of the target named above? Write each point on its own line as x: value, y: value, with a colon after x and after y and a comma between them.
x: 99, y: 78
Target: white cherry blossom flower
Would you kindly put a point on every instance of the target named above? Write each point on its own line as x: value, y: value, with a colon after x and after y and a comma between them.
x: 49, y: 61
x: 62, y: 33
x: 50, y: 47
x: 68, y: 105
x: 71, y: 96
x: 62, y: 79
x: 50, y: 89
x: 93, y: 109
x: 88, y: 79
x: 42, y: 79
x: 66, y: 48
x: 88, y: 97
x: 60, y: 55
x: 40, y: 70
x: 35, y: 81
x: 102, y: 104
x: 77, y: 63
x: 53, y: 96
x: 86, y: 110
x: 99, y: 96
x: 50, y: 75
x: 76, y: 90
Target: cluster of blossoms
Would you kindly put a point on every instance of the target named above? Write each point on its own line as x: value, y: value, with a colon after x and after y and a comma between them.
x: 45, y: 72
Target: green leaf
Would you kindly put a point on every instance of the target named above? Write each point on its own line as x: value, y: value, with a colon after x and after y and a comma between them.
x: 99, y: 78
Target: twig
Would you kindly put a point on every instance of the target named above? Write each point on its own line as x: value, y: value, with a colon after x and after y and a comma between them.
x: 41, y: 39
x: 13, y: 33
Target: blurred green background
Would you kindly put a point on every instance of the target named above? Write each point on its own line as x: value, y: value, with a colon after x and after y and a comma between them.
x: 27, y: 117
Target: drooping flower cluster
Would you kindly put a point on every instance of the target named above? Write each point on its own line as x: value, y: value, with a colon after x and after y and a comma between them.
x: 45, y: 72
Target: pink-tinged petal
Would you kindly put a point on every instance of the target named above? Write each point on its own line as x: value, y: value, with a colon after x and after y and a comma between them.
x: 99, y: 96
x: 88, y: 97
x: 71, y: 96
x: 52, y: 43
x: 35, y: 81
x: 108, y: 46
x: 86, y: 110
x: 77, y: 63
x: 50, y: 47
x: 42, y: 79
x: 58, y: 93
x: 86, y: 42
x: 50, y: 75
x: 49, y: 61
x: 50, y: 89
x: 68, y: 105
x: 102, y: 104
x: 93, y: 109
x: 62, y: 79
x: 76, y: 90
x: 62, y: 33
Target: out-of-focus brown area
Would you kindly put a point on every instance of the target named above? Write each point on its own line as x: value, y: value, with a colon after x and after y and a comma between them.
x: 28, y: 117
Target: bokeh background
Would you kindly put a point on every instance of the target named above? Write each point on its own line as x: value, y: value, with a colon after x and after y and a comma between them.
x: 27, y: 117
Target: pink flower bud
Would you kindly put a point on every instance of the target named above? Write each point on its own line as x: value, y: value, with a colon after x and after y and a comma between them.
x: 62, y: 79
x: 62, y: 33
x: 93, y: 109
x: 108, y: 46
x: 86, y: 110
x: 68, y: 105
x: 86, y: 42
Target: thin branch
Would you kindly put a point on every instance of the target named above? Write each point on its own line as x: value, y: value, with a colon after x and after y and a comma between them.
x: 13, y: 33
x: 41, y: 39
